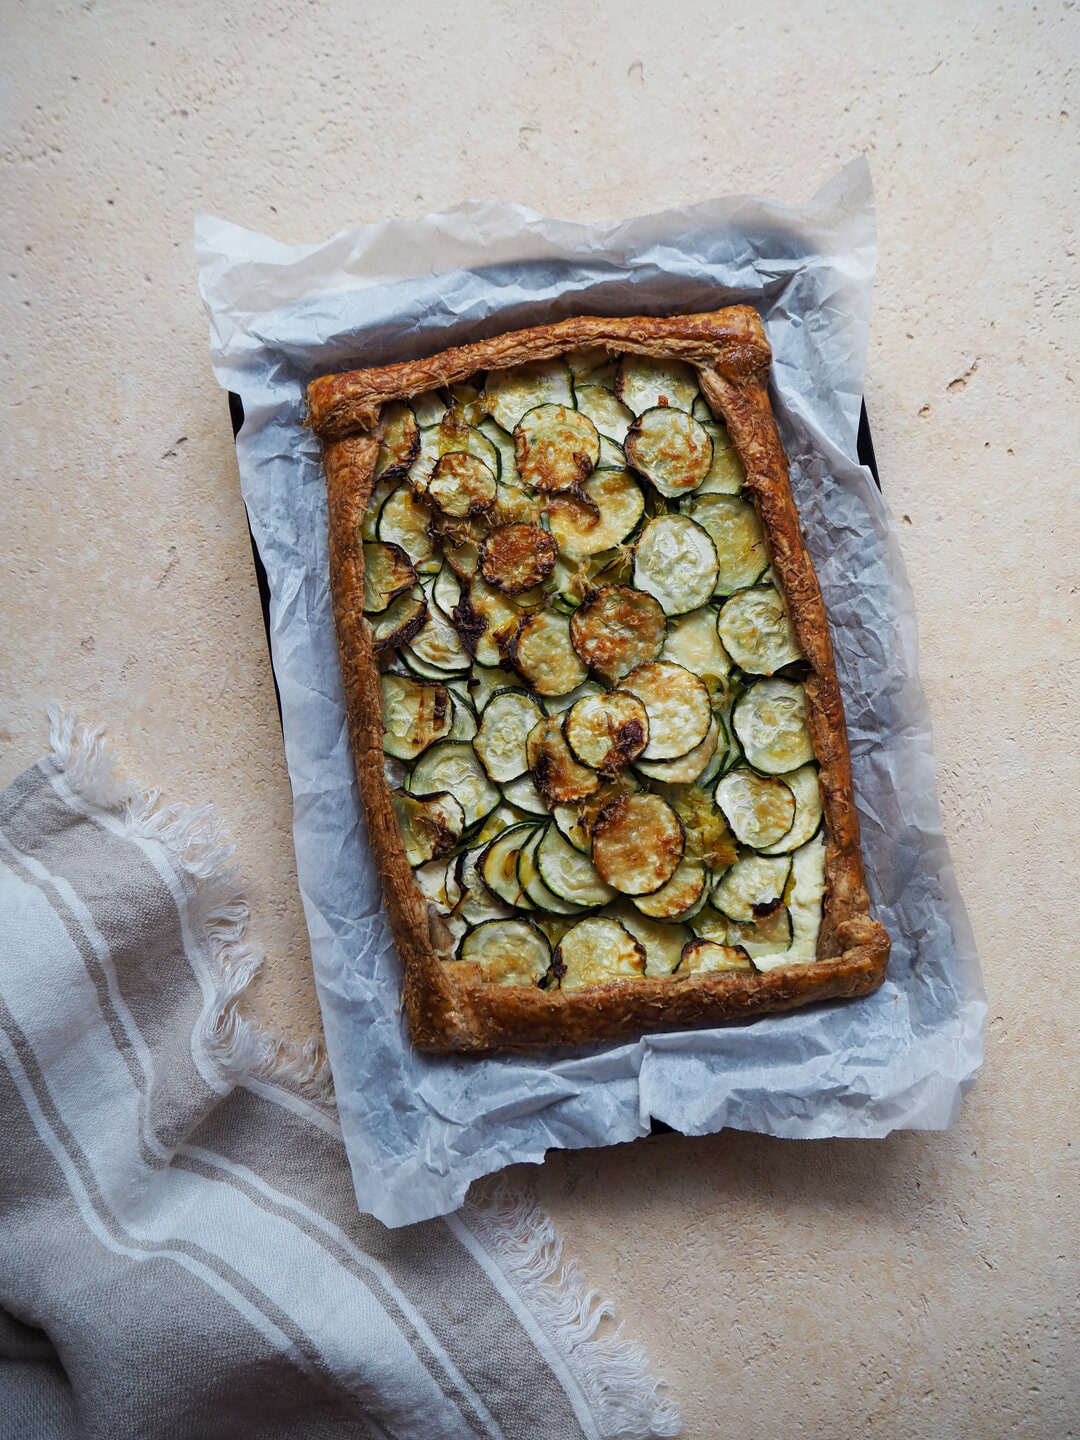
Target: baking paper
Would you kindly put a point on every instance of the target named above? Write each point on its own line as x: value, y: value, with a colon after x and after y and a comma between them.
x: 418, y: 1128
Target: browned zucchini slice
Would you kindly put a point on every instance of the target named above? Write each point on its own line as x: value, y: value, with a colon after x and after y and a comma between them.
x: 415, y: 713
x: 399, y: 440
x: 617, y: 629
x: 431, y: 825
x: 462, y: 485
x: 685, y: 768
x: 556, y: 774
x: 400, y: 622
x: 678, y: 707
x: 595, y: 951
x: 556, y: 447
x: 670, y: 449
x: 706, y: 957
x: 406, y: 521
x: 486, y: 621
x: 679, y: 896
x: 608, y: 731
x: 541, y: 652
x: 514, y: 558
x: 388, y: 573
x: 515, y: 506
x: 638, y: 842
x: 601, y: 515
x: 508, y: 952
x: 693, y: 641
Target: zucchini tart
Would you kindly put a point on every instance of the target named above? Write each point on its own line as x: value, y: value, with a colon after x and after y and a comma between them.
x: 590, y: 685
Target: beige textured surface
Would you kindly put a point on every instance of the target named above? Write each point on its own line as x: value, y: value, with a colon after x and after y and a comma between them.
x: 919, y: 1286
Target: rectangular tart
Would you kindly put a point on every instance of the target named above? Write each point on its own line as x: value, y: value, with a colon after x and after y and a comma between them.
x: 590, y: 685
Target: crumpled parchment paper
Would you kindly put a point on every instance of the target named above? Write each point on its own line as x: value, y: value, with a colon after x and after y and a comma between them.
x: 419, y: 1129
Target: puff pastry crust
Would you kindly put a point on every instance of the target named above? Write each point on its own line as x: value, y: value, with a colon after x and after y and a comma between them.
x: 449, y: 1006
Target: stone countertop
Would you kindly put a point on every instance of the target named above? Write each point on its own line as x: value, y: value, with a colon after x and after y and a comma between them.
x: 922, y: 1285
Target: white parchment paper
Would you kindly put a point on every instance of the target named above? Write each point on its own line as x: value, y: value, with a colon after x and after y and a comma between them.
x: 419, y: 1129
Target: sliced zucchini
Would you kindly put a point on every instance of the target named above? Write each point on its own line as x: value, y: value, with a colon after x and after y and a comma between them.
x: 637, y: 843
x: 515, y: 558
x: 679, y: 896
x: 428, y: 408
x: 461, y: 554
x: 415, y: 714
x: 559, y: 704
x: 435, y: 440
x: 464, y: 724
x: 678, y: 707
x: 617, y: 629
x: 611, y: 455
x: 498, y: 866
x: 759, y: 808
x: 569, y: 873
x: 726, y: 474
x: 556, y: 448
x: 400, y: 622
x: 486, y: 681
x: 686, y: 768
x: 399, y: 440
x: 431, y: 824
x: 597, y: 950
x: 607, y: 412
x: 693, y: 642
x: 735, y: 530
x: 395, y: 772
x: 705, y: 957
x: 465, y: 400
x: 515, y: 506
x: 453, y: 766
x: 532, y: 882
x: 586, y: 362
x: 757, y: 631
x: 406, y: 521
x: 477, y: 903
x: 504, y: 449
x: 444, y: 592
x: 605, y: 511
x: 486, y: 621
x: 509, y: 952
x: 770, y: 722
x: 571, y: 825
x: 542, y: 653
x: 500, y: 819
x: 557, y: 776
x: 805, y: 898
x: 707, y: 835
x: 671, y: 449
x: 462, y: 485
x: 380, y: 490
x: 438, y: 646
x: 763, y: 938
x: 642, y: 383
x: 388, y: 573
x: 753, y: 887
x: 808, y: 810
x: 504, y: 727
x: 702, y: 410
x: 662, y: 943
x: 608, y: 731
x: 523, y: 794
x: 675, y: 561
x: 709, y: 924
x: 508, y: 394
x: 438, y: 884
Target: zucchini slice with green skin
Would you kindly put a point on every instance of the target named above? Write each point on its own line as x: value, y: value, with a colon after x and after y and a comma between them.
x: 735, y: 530
x: 585, y: 363
x: 671, y: 449
x: 677, y: 704
x: 607, y: 732
x: 616, y: 630
x: 388, y: 573
x: 611, y: 455
x: 466, y: 401
x: 541, y: 652
x: 379, y: 492
x: 662, y: 943
x: 757, y: 632
x: 675, y: 562
x: 428, y: 408
x: 686, y: 768
x: 763, y: 938
x: 437, y: 880
x: 569, y: 873
x: 770, y: 722
x: 726, y: 474
x: 607, y: 412
x: 642, y: 383
x: 805, y: 897
x: 498, y: 866
x: 559, y: 704
x: 445, y: 592
x: 400, y: 622
x: 464, y: 723
x: 753, y: 887
x: 508, y: 394
x: 597, y: 950
x: 558, y: 777
x: 808, y: 810
x: 415, y: 715
x: 693, y: 641
x: 399, y: 440
x: 533, y: 885
x: 504, y: 727
x: 515, y: 558
x: 678, y: 898
x: 524, y: 795
x: 431, y: 824
x: 438, y: 646
x: 556, y: 448
x: 486, y: 681
x: 705, y: 957
x: 500, y: 819
x: 515, y: 506
x: 508, y: 952
x: 605, y: 511
x: 759, y: 808
x: 504, y: 449
x: 486, y: 621
x: 406, y: 521
x: 637, y: 843
x: 572, y: 826
x: 453, y: 766
x: 709, y: 924
x: 462, y: 485
x: 477, y: 903
x: 702, y: 410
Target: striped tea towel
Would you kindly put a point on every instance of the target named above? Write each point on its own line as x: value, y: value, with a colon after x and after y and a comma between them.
x: 180, y: 1249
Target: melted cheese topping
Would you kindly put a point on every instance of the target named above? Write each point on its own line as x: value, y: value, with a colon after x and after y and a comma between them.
x: 596, y: 950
